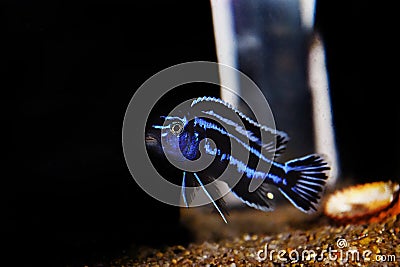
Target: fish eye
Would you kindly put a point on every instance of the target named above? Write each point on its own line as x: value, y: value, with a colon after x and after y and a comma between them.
x: 176, y: 128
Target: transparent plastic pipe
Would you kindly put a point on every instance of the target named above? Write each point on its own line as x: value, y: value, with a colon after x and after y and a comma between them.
x: 274, y: 43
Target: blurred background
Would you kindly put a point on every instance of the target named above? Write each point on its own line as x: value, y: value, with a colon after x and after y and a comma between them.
x: 72, y: 69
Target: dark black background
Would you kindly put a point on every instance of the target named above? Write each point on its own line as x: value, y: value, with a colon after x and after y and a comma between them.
x: 362, y: 54
x: 71, y: 70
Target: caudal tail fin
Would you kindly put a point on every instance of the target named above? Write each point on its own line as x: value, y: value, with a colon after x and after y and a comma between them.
x: 306, y: 179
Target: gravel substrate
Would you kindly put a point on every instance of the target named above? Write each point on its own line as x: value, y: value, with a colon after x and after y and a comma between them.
x: 293, y: 243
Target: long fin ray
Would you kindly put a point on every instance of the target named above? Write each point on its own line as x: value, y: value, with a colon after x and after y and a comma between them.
x: 184, y: 189
x: 189, y: 189
x: 209, y: 196
x: 307, y: 192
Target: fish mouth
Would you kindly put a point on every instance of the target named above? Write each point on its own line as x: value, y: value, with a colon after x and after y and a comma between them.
x: 151, y: 140
x: 153, y: 145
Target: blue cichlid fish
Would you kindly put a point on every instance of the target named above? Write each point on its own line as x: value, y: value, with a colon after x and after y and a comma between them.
x: 301, y: 180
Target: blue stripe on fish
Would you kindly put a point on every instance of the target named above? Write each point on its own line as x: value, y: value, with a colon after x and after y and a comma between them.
x: 281, y: 137
x: 211, y: 126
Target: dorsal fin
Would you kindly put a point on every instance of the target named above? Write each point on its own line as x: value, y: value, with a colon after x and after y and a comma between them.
x: 281, y: 138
